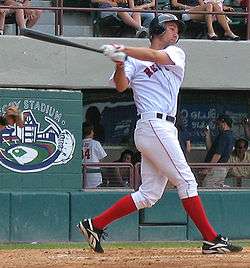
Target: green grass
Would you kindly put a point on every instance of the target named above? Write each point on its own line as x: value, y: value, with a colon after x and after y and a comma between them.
x: 109, y: 245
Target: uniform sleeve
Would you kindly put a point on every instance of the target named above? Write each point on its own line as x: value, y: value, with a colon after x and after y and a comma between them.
x: 177, y: 55
x: 99, y: 151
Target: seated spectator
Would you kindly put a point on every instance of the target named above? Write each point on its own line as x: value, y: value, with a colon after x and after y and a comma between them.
x: 31, y: 15
x: 218, y: 151
x: 131, y: 19
x: 118, y: 176
x: 19, y: 13
x: 24, y: 18
x: 123, y: 173
x: 239, y: 155
x: 210, y: 6
x: 2, y: 19
x: 93, y: 117
x: 145, y: 16
x: 92, y: 153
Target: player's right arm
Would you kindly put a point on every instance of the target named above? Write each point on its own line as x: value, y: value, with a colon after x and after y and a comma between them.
x: 120, y: 79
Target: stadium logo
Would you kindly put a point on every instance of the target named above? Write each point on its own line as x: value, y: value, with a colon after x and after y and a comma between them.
x: 32, y: 149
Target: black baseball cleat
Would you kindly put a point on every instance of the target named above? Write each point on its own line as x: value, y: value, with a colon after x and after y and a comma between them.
x: 220, y: 245
x: 91, y: 234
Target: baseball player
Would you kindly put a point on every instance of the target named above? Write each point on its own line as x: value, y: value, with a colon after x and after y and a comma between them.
x: 155, y: 75
x: 92, y: 153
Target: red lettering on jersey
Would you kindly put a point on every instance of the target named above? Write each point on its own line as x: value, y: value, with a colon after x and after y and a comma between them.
x: 87, y: 154
x: 154, y: 68
x: 148, y: 72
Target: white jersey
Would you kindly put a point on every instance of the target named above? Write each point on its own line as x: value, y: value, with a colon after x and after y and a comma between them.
x: 92, y: 153
x: 156, y: 86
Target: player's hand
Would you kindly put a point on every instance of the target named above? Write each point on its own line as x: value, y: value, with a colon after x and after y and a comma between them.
x: 118, y: 57
x: 110, y: 49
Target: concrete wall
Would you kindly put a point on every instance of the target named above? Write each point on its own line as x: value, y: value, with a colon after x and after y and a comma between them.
x: 26, y: 62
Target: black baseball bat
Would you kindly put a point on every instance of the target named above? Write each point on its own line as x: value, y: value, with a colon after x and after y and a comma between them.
x: 55, y: 39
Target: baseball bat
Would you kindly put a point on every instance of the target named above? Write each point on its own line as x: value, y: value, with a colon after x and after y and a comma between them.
x: 55, y: 40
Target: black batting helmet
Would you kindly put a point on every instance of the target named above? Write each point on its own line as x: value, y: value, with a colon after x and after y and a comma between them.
x: 157, y: 25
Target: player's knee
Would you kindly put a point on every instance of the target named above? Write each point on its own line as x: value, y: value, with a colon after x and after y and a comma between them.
x: 187, y: 189
x: 143, y: 200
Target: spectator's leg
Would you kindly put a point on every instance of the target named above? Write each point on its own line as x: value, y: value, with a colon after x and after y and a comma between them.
x: 20, y: 18
x: 202, y: 17
x: 33, y: 18
x: 223, y: 22
x: 18, y: 12
x: 133, y: 21
x: 2, y: 20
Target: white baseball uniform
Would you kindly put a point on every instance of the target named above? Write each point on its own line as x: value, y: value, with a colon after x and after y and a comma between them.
x: 92, y: 153
x: 155, y: 89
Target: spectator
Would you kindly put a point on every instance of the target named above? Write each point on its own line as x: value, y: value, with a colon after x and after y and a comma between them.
x: 246, y: 125
x: 131, y: 19
x: 183, y: 136
x: 123, y: 173
x: 19, y: 14
x: 145, y: 16
x: 210, y: 6
x: 219, y: 151
x: 92, y: 153
x: 239, y: 155
x: 31, y: 15
x: 93, y: 117
x: 2, y: 18
x: 118, y: 176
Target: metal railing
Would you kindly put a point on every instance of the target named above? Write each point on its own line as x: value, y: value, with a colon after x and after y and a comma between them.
x: 59, y: 12
x: 137, y: 178
x: 131, y: 183
x: 134, y: 174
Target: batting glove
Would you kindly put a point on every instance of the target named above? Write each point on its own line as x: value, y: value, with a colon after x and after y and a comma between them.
x: 110, y: 49
x: 118, y: 57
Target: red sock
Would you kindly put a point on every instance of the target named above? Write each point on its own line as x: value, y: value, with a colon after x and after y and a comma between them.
x: 196, y: 212
x: 121, y: 208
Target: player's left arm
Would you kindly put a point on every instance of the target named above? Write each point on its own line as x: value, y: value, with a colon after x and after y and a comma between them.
x: 148, y: 54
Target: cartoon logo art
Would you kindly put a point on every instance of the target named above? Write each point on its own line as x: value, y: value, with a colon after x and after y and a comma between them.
x: 30, y: 149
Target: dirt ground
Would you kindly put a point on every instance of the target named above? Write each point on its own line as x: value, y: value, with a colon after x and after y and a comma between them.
x: 114, y: 258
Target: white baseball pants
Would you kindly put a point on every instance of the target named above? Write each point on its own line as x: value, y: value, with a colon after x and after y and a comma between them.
x: 162, y: 160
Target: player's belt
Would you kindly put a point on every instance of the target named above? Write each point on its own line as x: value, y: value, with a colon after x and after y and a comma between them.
x: 157, y: 115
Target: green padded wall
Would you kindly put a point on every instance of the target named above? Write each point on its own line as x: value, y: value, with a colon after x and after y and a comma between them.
x: 39, y: 216
x: 163, y: 233
x: 167, y: 210
x: 228, y: 212
x: 46, y: 153
x: 89, y: 203
x: 5, y: 216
